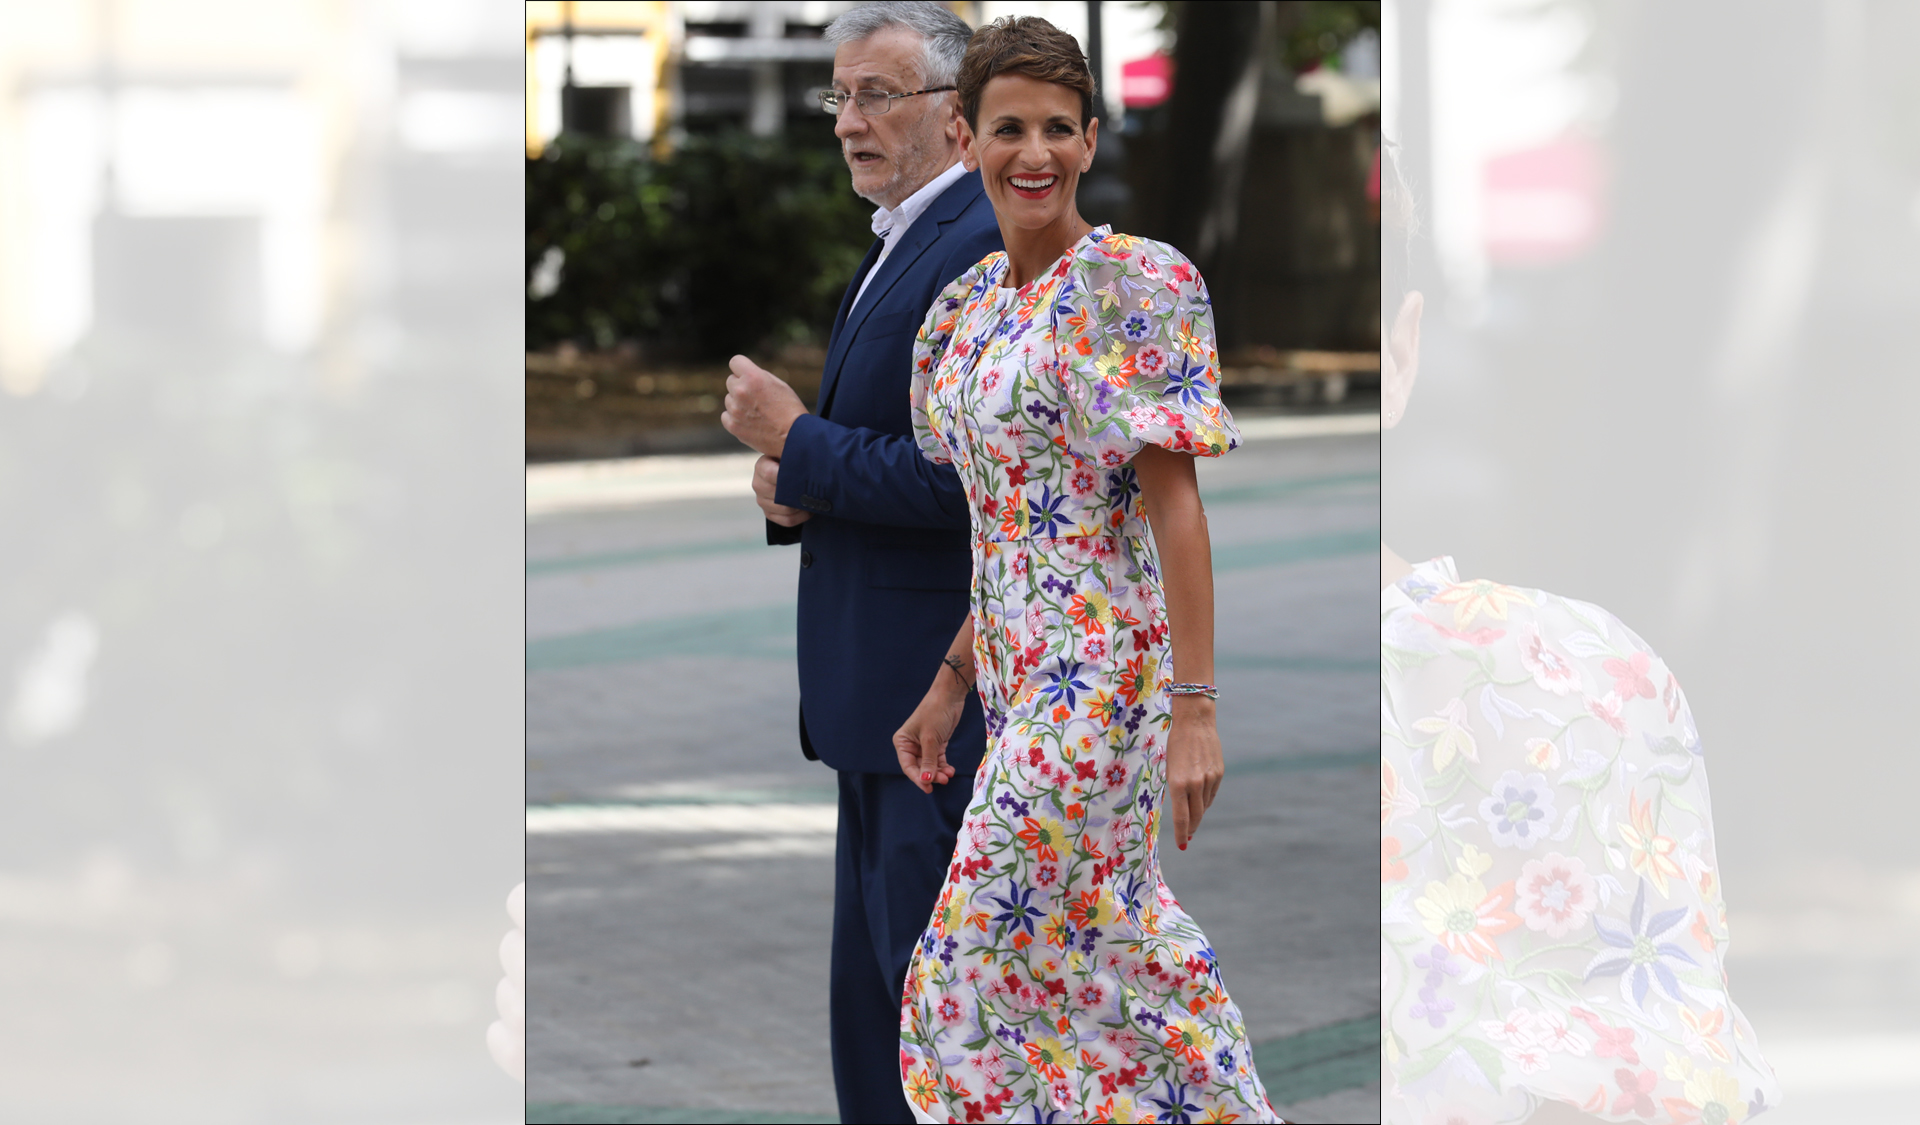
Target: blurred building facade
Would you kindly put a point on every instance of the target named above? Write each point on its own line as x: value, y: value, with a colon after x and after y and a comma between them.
x: 257, y: 398
x: 653, y: 70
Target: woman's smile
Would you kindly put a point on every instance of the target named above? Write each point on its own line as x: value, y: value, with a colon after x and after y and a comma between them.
x: 1033, y: 187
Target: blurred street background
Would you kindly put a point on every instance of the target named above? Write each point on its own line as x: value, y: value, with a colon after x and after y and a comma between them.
x: 686, y: 200
x: 260, y: 711
x: 1672, y: 266
x: 680, y: 850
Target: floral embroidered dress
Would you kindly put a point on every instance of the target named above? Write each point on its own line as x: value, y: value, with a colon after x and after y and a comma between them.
x: 1551, y: 927
x: 1059, y: 980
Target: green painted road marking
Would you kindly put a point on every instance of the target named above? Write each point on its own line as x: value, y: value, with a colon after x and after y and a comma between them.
x: 1296, y: 1068
x: 1249, y: 661
x: 1294, y: 763
x: 766, y: 633
x: 574, y: 1113
x: 1286, y: 552
x: 760, y: 631
x: 613, y: 560
x: 809, y: 795
x: 1313, y: 1064
x: 798, y: 795
x: 616, y: 559
x: 1279, y: 489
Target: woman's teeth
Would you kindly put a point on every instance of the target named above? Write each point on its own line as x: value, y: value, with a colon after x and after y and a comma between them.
x: 1039, y: 184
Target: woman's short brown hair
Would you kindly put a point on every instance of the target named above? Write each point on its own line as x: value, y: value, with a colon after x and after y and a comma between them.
x: 1025, y: 45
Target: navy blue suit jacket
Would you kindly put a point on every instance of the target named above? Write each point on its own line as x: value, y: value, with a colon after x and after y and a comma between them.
x: 886, y: 562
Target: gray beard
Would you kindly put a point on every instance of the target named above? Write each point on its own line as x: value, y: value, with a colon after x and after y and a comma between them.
x: 913, y: 169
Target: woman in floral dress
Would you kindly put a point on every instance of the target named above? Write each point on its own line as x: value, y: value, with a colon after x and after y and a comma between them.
x: 1071, y: 380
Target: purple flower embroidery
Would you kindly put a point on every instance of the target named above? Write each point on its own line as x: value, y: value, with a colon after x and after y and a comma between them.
x: 1638, y: 951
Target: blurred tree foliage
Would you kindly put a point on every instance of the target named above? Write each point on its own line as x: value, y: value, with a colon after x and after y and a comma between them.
x: 732, y: 244
x: 1324, y: 29
x: 1313, y: 32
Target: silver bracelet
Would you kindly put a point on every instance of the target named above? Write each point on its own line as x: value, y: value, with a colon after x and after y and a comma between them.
x: 1207, y: 690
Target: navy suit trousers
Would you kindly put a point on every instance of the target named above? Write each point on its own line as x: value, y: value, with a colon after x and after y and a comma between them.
x: 895, y: 846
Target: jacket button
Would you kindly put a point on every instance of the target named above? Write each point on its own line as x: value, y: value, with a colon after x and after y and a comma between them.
x: 806, y: 559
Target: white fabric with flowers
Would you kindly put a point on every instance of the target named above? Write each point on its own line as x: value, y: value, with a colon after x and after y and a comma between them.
x: 1551, y: 922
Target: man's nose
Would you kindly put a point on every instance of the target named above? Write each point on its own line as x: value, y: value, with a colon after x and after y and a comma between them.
x: 850, y: 123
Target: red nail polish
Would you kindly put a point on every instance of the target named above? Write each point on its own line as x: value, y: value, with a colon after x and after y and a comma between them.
x: 926, y: 777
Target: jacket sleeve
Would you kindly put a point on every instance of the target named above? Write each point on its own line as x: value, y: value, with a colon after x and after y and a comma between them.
x: 870, y: 476
x: 861, y: 474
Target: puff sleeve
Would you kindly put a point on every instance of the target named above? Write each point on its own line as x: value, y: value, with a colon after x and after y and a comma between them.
x: 929, y: 348
x: 1134, y: 332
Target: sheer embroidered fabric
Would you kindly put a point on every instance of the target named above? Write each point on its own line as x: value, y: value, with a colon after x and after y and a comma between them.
x: 1551, y: 920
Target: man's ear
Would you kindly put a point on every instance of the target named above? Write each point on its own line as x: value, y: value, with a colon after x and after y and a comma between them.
x: 1400, y: 358
x: 964, y: 136
x: 956, y: 121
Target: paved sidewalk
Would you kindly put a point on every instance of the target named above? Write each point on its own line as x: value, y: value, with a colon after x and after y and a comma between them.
x: 680, y: 849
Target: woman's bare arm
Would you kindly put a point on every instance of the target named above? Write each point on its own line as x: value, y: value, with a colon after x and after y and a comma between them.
x: 1195, y: 765
x: 921, y: 744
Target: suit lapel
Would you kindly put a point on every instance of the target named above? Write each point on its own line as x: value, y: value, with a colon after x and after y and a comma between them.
x: 925, y: 231
x: 842, y: 334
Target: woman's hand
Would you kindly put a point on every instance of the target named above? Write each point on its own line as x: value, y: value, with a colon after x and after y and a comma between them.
x: 1195, y: 766
x: 922, y: 742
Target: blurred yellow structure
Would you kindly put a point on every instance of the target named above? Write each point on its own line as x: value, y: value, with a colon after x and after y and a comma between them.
x: 121, y: 119
x: 655, y: 70
x: 178, y: 169
x: 616, y: 55
x: 651, y: 70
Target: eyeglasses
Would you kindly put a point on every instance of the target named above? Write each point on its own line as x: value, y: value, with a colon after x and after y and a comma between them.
x: 872, y: 103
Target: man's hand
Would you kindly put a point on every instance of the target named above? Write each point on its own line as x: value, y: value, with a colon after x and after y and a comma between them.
x: 766, y: 474
x: 760, y: 408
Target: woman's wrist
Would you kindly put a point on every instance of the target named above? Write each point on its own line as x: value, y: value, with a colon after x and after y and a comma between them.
x: 956, y: 677
x: 1194, y: 707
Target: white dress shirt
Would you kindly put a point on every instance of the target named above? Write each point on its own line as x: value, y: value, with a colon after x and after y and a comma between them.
x: 890, y: 226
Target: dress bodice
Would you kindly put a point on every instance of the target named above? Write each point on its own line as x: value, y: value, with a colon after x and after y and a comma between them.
x: 1041, y: 395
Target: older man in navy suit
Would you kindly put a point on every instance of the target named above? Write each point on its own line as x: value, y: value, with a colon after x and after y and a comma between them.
x: 885, y: 564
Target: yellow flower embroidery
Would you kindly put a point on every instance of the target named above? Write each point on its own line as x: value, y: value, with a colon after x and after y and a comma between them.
x: 1188, y: 341
x: 1707, y: 1029
x: 1470, y: 599
x: 1110, y: 365
x: 1451, y: 725
x: 922, y: 1088
x: 1648, y: 853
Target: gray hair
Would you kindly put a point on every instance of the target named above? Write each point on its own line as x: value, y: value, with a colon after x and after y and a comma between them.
x: 943, y: 35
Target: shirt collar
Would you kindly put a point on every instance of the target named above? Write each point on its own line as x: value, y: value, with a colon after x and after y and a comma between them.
x: 888, y: 223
